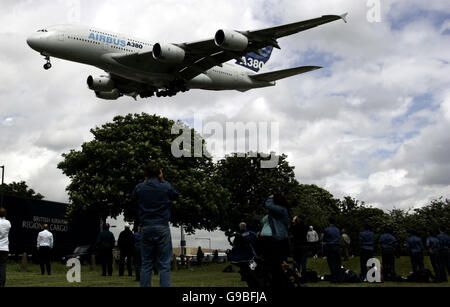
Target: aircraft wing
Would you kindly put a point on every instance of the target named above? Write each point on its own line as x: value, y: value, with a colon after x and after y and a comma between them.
x: 290, y: 29
x: 282, y: 74
x: 203, y: 55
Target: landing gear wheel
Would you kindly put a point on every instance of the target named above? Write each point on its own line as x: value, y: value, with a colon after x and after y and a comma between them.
x: 48, y: 65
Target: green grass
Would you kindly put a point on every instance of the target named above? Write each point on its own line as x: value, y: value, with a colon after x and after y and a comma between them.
x: 205, y: 276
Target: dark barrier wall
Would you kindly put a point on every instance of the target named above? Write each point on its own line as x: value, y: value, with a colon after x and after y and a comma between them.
x: 28, y: 216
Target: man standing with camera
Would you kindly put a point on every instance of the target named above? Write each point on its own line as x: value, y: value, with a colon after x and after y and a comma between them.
x: 154, y: 197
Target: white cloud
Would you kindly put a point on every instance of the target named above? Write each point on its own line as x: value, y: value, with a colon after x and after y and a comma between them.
x: 348, y: 127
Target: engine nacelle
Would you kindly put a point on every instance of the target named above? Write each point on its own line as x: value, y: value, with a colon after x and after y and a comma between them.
x: 100, y: 84
x: 168, y: 53
x: 110, y: 95
x: 231, y: 40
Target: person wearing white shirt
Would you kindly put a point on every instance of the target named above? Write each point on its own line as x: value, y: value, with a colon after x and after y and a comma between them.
x: 45, y: 246
x: 313, y: 238
x: 5, y: 227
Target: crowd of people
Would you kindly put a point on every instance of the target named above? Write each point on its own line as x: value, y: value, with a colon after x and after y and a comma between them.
x: 336, y: 245
x: 271, y: 240
x: 149, y: 248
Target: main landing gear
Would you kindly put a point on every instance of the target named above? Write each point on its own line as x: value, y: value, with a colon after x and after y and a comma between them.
x: 172, y: 90
x: 47, y: 65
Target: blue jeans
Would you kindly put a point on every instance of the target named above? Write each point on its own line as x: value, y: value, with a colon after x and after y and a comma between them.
x: 156, y: 247
x: 333, y: 253
x: 301, y: 258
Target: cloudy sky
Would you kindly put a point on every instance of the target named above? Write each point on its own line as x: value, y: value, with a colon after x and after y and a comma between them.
x: 373, y: 124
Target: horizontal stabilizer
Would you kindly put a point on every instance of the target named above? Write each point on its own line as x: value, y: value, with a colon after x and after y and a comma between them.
x: 281, y: 74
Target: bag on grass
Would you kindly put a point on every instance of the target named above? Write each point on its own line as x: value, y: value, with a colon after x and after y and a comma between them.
x: 350, y: 277
x: 312, y: 276
x: 422, y: 276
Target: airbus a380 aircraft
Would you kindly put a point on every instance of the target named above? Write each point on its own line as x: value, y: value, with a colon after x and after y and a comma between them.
x: 137, y: 68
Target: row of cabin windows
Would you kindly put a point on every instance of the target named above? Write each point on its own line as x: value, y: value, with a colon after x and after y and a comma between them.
x: 222, y: 72
x: 97, y: 43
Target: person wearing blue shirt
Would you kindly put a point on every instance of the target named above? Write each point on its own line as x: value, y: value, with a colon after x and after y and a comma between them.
x: 389, y: 246
x: 276, y: 246
x: 366, y: 241
x: 444, y: 240
x: 434, y: 246
x: 154, y: 197
x: 331, y: 240
x: 415, y: 247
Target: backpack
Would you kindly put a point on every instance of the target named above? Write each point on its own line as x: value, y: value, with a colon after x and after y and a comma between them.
x: 228, y: 269
x: 348, y: 276
x: 422, y: 276
x: 311, y: 276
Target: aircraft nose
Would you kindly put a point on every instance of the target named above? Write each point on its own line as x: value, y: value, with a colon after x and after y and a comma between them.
x: 35, y: 42
x: 32, y: 41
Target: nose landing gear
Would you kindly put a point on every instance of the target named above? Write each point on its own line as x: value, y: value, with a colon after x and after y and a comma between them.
x: 47, y: 65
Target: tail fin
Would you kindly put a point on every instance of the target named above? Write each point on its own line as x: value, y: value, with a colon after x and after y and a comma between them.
x: 255, y: 61
x: 281, y: 74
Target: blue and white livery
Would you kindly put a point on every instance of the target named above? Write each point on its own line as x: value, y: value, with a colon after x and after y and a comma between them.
x: 135, y: 67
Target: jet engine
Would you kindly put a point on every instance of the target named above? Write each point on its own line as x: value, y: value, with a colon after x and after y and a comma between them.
x: 231, y: 40
x: 168, y: 53
x: 100, y: 84
x: 110, y: 95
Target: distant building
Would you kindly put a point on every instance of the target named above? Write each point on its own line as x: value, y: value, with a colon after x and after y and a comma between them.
x: 28, y: 216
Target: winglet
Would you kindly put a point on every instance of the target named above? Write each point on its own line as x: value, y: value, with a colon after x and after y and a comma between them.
x: 344, y: 17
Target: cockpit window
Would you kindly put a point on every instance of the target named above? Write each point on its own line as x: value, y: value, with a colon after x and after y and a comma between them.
x: 43, y: 30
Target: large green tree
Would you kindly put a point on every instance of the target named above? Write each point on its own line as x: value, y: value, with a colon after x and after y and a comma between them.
x: 106, y: 170
x: 315, y: 204
x: 20, y: 189
x: 250, y: 185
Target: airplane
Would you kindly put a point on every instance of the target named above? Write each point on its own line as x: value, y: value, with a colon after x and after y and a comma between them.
x: 135, y: 67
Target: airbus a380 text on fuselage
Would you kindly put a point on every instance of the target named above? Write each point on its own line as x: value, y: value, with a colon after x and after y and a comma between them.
x: 135, y: 67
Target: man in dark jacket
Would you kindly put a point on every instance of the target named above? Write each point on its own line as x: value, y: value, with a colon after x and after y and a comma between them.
x: 200, y: 256
x: 434, y: 246
x: 444, y: 241
x: 389, y: 246
x: 299, y: 231
x: 332, y: 241
x: 366, y: 241
x: 126, y: 247
x: 155, y: 196
x: 415, y: 247
x: 105, y: 245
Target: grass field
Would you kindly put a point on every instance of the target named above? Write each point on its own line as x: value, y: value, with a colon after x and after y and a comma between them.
x: 205, y: 276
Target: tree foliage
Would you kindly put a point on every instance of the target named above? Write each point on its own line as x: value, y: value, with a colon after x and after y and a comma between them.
x: 314, y: 204
x: 250, y: 185
x: 106, y: 170
x: 21, y: 189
